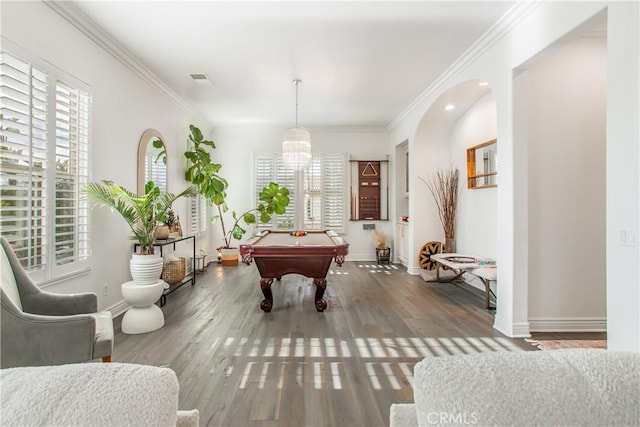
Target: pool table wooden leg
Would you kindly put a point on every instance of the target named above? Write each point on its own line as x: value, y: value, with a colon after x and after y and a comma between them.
x: 321, y: 286
x: 267, y: 302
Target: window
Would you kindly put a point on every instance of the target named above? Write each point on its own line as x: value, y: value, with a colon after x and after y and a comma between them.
x: 44, y: 166
x: 197, y: 214
x: 317, y: 194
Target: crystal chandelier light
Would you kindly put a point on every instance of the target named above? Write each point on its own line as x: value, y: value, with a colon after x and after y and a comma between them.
x: 296, y: 144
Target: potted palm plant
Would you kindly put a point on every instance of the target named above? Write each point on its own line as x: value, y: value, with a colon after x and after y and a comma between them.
x: 204, y: 174
x: 143, y: 215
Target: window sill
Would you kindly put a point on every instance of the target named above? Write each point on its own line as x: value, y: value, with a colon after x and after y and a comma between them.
x: 66, y: 277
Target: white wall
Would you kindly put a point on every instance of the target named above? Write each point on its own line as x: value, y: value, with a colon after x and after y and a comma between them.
x: 476, y: 222
x: 361, y: 144
x: 623, y: 176
x: 526, y: 31
x: 123, y: 107
x: 566, y: 182
x: 429, y: 152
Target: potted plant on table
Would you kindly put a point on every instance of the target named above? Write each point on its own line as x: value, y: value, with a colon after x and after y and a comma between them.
x: 204, y: 174
x: 143, y: 215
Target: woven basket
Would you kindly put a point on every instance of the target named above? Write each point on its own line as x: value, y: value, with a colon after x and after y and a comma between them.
x: 174, y: 271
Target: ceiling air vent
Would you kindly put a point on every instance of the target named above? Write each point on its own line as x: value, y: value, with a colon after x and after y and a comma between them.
x: 200, y: 78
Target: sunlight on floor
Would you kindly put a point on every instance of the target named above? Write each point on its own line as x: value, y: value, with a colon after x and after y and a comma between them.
x: 379, y: 268
x: 373, y: 268
x: 388, y: 362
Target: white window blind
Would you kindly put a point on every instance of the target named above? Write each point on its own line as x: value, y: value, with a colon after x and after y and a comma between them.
x: 197, y: 214
x: 270, y: 168
x: 157, y: 172
x: 313, y: 195
x: 286, y: 177
x: 44, y: 165
x: 334, y: 187
x: 317, y: 194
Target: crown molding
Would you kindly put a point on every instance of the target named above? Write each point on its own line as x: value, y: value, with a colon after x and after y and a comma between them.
x: 313, y: 129
x: 71, y: 13
x: 349, y: 129
x: 490, y: 38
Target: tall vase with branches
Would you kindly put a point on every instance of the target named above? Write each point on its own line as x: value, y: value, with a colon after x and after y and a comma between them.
x: 444, y: 185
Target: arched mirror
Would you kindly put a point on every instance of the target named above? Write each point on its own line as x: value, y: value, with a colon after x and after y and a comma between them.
x: 152, y: 160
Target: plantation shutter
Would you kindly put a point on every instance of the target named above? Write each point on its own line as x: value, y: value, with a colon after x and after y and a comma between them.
x: 156, y: 170
x: 193, y: 214
x: 317, y: 194
x: 203, y: 221
x: 286, y: 177
x: 23, y: 163
x: 197, y: 214
x: 334, y: 189
x: 71, y: 175
x: 264, y: 174
x: 313, y: 195
x: 270, y: 168
x: 44, y: 166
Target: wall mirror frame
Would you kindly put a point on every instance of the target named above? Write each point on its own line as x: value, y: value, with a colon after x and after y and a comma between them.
x: 481, y: 165
x: 152, y: 160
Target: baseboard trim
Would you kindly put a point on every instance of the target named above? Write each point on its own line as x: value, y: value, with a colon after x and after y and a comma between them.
x: 512, y: 330
x: 118, y: 308
x: 568, y: 324
x: 414, y: 271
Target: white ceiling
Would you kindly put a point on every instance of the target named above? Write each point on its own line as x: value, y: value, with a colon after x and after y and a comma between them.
x: 361, y: 63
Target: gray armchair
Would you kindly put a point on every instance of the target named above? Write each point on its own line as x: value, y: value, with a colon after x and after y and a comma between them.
x: 42, y: 328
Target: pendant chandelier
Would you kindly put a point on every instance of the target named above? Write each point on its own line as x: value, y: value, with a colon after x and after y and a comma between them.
x: 296, y: 144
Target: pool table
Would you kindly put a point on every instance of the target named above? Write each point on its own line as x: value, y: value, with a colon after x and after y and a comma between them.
x: 280, y: 252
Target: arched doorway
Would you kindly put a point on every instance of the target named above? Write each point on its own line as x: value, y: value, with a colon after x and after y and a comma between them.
x: 441, y: 142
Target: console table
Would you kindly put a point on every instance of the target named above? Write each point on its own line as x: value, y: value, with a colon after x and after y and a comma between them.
x: 189, y: 278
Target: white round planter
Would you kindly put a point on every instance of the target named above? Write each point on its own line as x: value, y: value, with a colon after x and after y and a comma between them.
x: 145, y: 269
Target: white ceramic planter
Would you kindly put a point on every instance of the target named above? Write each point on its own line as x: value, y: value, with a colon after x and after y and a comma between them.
x: 145, y: 269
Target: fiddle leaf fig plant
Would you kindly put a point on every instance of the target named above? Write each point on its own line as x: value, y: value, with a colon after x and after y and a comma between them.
x: 204, y: 174
x: 273, y: 199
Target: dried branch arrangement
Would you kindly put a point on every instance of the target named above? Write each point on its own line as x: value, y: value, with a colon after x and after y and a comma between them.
x: 381, y: 239
x: 444, y: 186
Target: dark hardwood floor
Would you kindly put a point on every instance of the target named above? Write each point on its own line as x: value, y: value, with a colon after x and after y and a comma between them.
x: 296, y: 367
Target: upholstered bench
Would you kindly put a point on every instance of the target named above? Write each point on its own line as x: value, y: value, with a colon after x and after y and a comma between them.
x: 92, y: 394
x: 579, y: 387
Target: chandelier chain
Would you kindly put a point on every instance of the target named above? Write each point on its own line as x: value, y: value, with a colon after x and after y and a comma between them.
x: 297, y: 82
